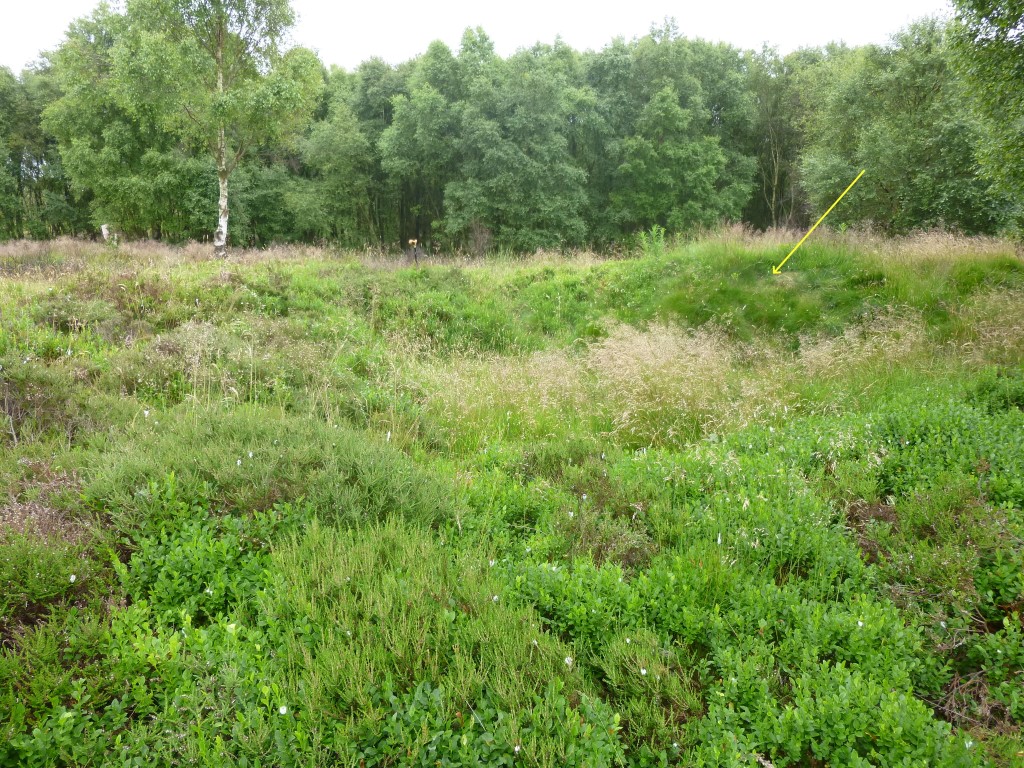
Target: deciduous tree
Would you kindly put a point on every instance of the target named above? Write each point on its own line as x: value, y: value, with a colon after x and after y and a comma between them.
x: 214, y: 73
x: 989, y: 40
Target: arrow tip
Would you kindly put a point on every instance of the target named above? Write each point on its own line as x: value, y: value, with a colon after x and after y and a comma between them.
x: 776, y: 271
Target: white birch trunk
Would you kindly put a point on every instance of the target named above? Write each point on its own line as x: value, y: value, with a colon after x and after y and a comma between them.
x: 220, y: 237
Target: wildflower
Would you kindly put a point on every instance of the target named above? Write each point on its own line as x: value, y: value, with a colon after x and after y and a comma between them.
x: 942, y: 624
x: 73, y: 577
x: 969, y: 744
x: 145, y: 414
x: 250, y: 454
x: 239, y: 462
x: 860, y: 623
x: 494, y: 599
x: 283, y: 710
x: 584, y: 497
x: 389, y: 436
x: 516, y: 750
x: 643, y: 670
x: 571, y: 514
x: 628, y: 641
x: 568, y: 661
x: 231, y: 629
x: 491, y: 563
x: 208, y: 591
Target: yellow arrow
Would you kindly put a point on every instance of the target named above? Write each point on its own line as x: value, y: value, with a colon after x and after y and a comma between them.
x: 778, y: 269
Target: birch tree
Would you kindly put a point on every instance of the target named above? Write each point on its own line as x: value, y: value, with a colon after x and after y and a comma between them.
x: 213, y: 71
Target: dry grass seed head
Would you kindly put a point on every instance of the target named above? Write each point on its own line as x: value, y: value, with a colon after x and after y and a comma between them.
x: 663, y: 383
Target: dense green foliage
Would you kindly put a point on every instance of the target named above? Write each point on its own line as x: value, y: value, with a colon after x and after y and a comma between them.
x: 990, y: 52
x: 302, y: 509
x: 467, y: 151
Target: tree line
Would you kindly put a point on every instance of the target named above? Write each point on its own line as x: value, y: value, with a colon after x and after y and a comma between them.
x: 144, y: 118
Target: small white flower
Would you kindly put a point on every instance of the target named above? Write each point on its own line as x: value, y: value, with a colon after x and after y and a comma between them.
x: 571, y: 514
x: 942, y: 624
x: 389, y: 436
x: 283, y: 710
x: 628, y: 641
x: 860, y: 623
x: 145, y: 414
x: 491, y: 563
x: 969, y: 744
x: 239, y: 462
x: 568, y: 661
x: 348, y: 632
x: 516, y: 750
x: 208, y: 591
x: 643, y: 670
x: 494, y: 599
x: 527, y: 550
x: 675, y: 745
x: 73, y: 577
x: 250, y: 454
x: 584, y: 497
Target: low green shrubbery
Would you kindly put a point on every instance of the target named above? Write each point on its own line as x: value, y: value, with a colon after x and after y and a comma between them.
x: 341, y: 515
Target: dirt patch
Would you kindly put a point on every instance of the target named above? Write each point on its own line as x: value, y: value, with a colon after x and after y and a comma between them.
x: 36, y: 519
x: 859, y: 515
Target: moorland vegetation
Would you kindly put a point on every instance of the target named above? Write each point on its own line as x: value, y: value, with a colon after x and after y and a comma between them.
x: 307, y: 507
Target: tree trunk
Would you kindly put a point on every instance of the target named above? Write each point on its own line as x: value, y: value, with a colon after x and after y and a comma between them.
x: 220, y: 237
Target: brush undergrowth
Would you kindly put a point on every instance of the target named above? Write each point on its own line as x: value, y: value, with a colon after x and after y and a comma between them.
x: 299, y: 508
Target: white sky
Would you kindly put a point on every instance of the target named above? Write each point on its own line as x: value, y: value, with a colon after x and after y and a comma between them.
x: 351, y: 32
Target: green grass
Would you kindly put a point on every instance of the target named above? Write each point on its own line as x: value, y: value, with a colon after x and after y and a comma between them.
x: 664, y: 510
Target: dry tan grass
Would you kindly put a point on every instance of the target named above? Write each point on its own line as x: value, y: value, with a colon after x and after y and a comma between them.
x: 522, y: 394
x: 995, y: 322
x: 667, y: 385
x: 929, y: 245
x: 890, y: 338
x: 662, y: 384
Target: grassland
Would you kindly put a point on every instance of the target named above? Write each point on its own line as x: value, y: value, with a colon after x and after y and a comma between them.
x: 307, y: 508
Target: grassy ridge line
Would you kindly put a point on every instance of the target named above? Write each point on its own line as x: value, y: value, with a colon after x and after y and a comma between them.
x: 266, y: 383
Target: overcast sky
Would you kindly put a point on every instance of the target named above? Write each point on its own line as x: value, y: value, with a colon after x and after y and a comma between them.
x: 351, y: 32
